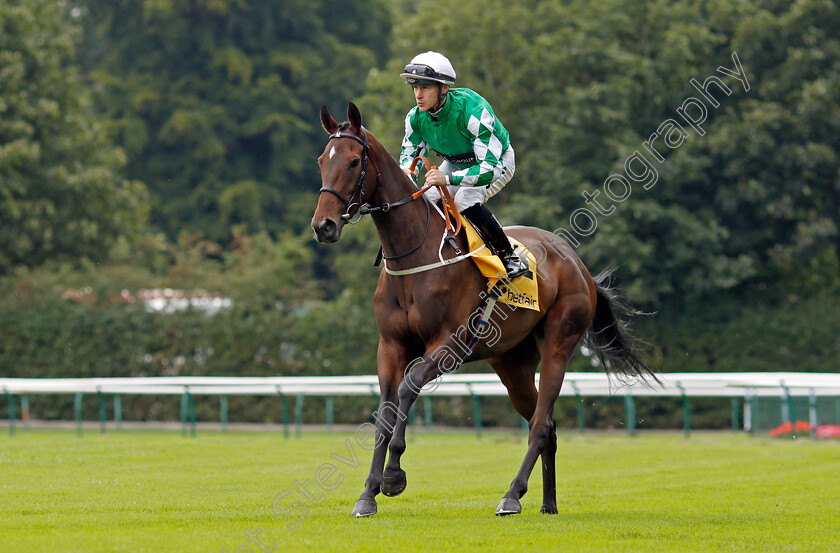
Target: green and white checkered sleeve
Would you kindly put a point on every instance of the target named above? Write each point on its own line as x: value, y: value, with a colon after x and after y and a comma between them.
x: 487, y: 148
x: 412, y: 145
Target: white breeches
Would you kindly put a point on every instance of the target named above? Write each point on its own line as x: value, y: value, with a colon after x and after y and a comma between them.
x: 466, y: 196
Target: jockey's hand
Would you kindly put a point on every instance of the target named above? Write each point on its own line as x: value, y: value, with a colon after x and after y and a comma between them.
x: 435, y: 177
x: 411, y: 174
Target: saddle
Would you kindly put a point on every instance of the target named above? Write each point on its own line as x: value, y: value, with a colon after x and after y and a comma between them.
x: 521, y: 291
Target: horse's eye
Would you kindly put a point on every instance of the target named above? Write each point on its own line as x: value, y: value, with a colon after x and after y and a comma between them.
x: 355, y: 163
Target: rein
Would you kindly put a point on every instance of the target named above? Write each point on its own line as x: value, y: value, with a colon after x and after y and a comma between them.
x: 366, y: 208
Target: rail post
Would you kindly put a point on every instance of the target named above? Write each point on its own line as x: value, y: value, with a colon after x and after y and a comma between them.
x: 630, y: 413
x: 24, y: 410
x: 192, y: 414
x: 284, y: 409
x: 812, y: 413
x: 735, y: 423
x: 77, y: 409
x: 748, y: 410
x: 223, y: 411
x: 686, y: 411
x: 184, y: 405
x: 118, y: 411
x: 299, y: 414
x: 10, y: 398
x: 330, y: 406
x: 103, y: 409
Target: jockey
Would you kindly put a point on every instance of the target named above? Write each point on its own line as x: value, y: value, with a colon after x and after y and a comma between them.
x: 460, y: 126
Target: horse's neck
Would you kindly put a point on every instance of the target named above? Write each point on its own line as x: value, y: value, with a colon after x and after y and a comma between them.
x: 401, y: 229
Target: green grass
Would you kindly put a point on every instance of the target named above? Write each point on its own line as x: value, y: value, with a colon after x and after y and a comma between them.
x: 158, y: 492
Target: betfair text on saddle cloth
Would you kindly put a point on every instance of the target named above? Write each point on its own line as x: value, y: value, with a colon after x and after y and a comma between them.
x: 518, y: 292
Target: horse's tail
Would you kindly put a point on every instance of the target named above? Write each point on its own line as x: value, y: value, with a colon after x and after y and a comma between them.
x: 608, y: 338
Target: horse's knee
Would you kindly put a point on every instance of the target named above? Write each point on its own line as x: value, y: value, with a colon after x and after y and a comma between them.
x: 419, y: 373
x: 408, y: 389
x: 386, y: 418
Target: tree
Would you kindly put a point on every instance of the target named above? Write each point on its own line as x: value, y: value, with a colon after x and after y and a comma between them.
x: 583, y: 85
x: 61, y: 192
x: 216, y: 102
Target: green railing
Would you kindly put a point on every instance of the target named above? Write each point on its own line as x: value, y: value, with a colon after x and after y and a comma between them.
x: 758, y: 390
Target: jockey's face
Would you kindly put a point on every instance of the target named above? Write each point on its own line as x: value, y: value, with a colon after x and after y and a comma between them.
x: 426, y: 95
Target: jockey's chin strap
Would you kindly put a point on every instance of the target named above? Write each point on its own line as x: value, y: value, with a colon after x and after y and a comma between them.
x: 433, y: 113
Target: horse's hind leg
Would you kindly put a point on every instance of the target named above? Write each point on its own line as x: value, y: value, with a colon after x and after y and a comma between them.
x: 516, y: 370
x: 549, y: 506
x: 563, y: 329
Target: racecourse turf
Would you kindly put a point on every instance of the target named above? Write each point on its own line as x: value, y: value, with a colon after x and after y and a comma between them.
x: 156, y: 491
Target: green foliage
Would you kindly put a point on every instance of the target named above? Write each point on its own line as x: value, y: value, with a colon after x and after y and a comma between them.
x: 768, y: 330
x: 213, y: 104
x: 582, y: 85
x: 65, y: 321
x: 62, y: 193
x: 219, y: 114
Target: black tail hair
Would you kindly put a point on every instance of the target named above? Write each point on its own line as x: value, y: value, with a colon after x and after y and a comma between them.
x: 608, y: 338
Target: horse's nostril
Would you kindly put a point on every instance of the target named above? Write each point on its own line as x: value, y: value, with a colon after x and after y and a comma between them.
x: 326, y: 230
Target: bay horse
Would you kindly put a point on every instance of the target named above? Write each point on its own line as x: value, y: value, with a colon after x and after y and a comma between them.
x: 420, y: 314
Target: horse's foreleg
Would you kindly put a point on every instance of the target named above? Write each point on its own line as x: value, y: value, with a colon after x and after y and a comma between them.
x: 391, y: 361
x: 420, y: 374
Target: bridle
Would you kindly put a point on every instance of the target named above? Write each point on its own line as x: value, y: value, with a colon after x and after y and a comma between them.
x: 359, y: 190
x: 360, y: 185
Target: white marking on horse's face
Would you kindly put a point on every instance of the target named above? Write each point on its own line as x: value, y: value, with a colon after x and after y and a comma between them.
x: 332, y: 152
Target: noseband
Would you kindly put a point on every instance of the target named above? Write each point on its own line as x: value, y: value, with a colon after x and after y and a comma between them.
x: 359, y: 190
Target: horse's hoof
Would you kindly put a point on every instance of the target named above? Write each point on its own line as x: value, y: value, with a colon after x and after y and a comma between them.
x: 364, y: 508
x: 508, y: 506
x: 546, y: 510
x: 393, y: 485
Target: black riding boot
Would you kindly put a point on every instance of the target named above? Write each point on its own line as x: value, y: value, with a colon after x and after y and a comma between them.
x: 492, y: 232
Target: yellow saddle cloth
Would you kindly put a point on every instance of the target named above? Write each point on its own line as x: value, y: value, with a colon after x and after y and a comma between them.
x: 521, y: 291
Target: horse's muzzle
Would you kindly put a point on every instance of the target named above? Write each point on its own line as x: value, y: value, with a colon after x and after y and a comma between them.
x: 326, y: 230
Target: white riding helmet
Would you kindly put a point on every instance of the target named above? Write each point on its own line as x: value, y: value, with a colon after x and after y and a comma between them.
x: 427, y: 67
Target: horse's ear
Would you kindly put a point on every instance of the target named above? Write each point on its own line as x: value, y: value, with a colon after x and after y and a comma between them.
x: 354, y: 116
x: 327, y: 121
